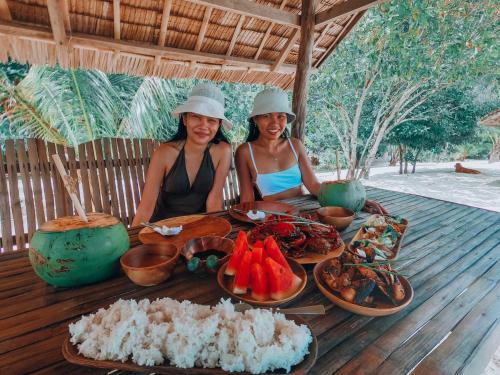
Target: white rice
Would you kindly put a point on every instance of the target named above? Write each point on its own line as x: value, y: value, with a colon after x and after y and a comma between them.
x: 187, y: 335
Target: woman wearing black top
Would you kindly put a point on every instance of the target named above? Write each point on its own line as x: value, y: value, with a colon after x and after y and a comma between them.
x: 187, y: 174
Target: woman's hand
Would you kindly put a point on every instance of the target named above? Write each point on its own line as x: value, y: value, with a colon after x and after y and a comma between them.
x: 374, y: 207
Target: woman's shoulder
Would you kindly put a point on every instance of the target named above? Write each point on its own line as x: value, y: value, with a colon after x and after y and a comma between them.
x: 242, y: 150
x: 221, y: 148
x: 168, y: 148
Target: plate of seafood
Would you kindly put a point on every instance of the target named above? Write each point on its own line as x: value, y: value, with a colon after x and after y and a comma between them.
x: 362, y: 285
x: 258, y: 211
x: 302, y: 239
x: 258, y: 273
x: 381, y: 235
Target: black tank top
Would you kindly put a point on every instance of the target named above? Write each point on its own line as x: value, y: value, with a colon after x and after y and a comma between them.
x: 176, y: 197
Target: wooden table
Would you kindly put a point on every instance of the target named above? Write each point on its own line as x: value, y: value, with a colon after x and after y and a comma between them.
x: 450, y: 254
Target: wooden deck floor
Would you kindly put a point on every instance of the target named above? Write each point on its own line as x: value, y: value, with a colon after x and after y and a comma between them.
x: 451, y: 255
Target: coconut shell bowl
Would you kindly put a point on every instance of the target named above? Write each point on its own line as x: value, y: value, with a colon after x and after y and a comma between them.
x: 340, y: 217
x: 150, y: 264
x: 206, y: 254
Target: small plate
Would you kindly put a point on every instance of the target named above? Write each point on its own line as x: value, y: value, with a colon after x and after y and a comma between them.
x: 382, y: 308
x: 192, y: 226
x: 70, y: 353
x: 260, y: 205
x: 226, y: 283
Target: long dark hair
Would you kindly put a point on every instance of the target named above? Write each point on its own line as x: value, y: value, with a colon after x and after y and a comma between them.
x: 253, y: 131
x: 182, y: 133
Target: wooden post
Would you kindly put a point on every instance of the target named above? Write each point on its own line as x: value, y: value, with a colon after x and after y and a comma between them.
x: 303, y: 68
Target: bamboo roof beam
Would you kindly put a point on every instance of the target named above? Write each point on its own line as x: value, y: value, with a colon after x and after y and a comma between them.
x: 236, y: 33
x: 201, y: 34
x: 106, y: 44
x: 286, y: 51
x: 167, y: 7
x: 345, y: 8
x: 116, y: 19
x: 5, y: 11
x: 268, y: 32
x: 57, y: 24
x: 323, y: 33
x: 253, y: 9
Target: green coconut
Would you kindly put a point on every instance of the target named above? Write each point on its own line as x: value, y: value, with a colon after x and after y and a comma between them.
x: 68, y: 252
x: 342, y: 193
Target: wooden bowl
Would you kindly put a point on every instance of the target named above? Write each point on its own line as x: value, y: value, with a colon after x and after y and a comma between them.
x: 198, y: 246
x: 381, y: 308
x: 340, y: 217
x: 148, y: 265
x: 226, y: 283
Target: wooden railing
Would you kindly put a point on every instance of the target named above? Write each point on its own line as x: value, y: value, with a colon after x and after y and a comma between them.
x: 111, y: 173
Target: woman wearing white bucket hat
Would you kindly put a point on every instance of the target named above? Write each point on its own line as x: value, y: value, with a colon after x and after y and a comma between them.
x: 272, y: 162
x: 187, y: 174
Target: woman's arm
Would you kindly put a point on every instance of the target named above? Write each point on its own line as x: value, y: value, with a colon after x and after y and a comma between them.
x: 223, y: 155
x: 308, y: 177
x: 156, y: 172
x: 244, y: 176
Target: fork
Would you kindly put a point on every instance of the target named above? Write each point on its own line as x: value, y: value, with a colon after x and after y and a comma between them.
x: 303, y: 310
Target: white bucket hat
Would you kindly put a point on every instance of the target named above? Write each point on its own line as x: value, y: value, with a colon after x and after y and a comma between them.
x: 205, y: 99
x: 272, y: 100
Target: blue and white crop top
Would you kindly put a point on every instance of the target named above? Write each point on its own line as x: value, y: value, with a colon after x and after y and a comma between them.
x: 276, y: 182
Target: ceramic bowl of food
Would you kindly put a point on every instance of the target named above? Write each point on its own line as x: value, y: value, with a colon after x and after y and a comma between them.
x: 150, y: 264
x: 206, y: 254
x: 340, y: 217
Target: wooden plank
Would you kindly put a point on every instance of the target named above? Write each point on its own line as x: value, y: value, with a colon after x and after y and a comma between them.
x: 139, y: 165
x: 286, y: 50
x: 236, y: 33
x: 57, y: 22
x: 103, y: 181
x: 57, y: 183
x: 144, y: 52
x: 119, y: 180
x: 108, y: 160
x: 7, y: 244
x: 126, y: 180
x: 27, y: 190
x: 167, y: 6
x: 301, y: 84
x: 67, y: 204
x: 73, y: 170
x: 252, y: 9
x: 133, y: 173
x: 36, y: 179
x: 94, y: 178
x: 85, y: 180
x: 455, y: 351
x: 47, y: 184
x: 346, y: 8
x: 116, y: 19
x: 203, y: 28
x: 145, y: 158
x: 15, y: 201
x: 5, y: 11
x: 267, y: 33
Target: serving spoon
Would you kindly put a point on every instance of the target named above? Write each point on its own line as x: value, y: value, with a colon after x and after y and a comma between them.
x: 303, y: 310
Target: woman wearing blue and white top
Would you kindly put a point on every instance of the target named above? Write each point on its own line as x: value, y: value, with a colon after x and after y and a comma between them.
x: 273, y: 163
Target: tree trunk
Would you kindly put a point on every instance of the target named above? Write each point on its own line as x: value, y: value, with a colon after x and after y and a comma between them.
x: 301, y: 84
x: 495, y: 151
x: 415, y: 161
x: 401, y: 156
x: 394, y: 156
x: 406, y: 166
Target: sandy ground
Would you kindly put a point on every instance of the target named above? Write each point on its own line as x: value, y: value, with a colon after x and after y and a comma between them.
x: 439, y: 180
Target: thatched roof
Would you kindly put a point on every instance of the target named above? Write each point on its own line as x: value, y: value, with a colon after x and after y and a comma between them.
x: 252, y: 41
x: 492, y: 119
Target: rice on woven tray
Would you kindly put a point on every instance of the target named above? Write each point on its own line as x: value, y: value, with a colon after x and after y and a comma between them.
x: 186, y: 334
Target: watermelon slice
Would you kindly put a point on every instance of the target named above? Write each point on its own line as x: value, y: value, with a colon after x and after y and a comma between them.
x: 259, y: 282
x: 241, y: 245
x: 257, y: 254
x: 273, y: 251
x: 242, y: 277
x: 282, y: 282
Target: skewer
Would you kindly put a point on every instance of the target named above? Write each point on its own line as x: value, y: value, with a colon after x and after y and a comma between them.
x: 70, y: 185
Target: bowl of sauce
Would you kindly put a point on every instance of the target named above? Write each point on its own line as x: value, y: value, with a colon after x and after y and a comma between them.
x: 206, y: 254
x: 150, y: 264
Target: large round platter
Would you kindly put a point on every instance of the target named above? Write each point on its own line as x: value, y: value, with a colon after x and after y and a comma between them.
x: 192, y: 226
x: 70, y: 353
x: 226, y: 283
x: 261, y: 206
x: 381, y: 308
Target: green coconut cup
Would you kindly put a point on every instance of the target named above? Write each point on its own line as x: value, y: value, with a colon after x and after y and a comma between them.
x: 349, y: 194
x: 67, y: 252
